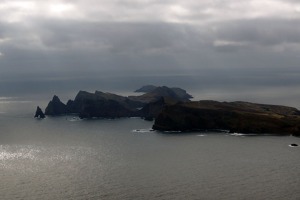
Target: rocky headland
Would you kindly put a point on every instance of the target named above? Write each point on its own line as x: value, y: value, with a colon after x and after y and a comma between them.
x: 172, y: 110
x: 109, y: 105
x: 240, y: 117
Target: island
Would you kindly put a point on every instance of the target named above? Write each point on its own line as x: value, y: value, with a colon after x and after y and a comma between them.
x: 171, y: 109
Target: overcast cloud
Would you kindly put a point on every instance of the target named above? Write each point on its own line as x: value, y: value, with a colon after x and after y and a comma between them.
x: 237, y: 50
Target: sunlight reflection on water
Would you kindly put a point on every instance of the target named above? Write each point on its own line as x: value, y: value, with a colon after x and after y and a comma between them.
x: 6, y: 153
x: 31, y: 157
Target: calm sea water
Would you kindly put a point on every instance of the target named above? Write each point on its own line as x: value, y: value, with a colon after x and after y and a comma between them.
x: 67, y: 158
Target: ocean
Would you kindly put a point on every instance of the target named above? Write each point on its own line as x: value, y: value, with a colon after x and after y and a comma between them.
x: 68, y: 158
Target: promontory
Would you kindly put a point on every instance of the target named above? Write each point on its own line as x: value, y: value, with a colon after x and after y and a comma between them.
x: 172, y: 110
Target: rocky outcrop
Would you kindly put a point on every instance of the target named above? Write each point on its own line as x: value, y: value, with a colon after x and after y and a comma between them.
x: 39, y: 113
x: 83, y: 98
x: 241, y: 117
x: 98, y: 104
x: 56, y: 107
x: 101, y: 104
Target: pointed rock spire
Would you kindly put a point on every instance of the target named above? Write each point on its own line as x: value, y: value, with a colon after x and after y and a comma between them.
x: 56, y: 107
x: 39, y: 113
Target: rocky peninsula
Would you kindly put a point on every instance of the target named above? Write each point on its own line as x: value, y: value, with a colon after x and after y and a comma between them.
x: 109, y: 105
x: 240, y: 117
x: 172, y: 110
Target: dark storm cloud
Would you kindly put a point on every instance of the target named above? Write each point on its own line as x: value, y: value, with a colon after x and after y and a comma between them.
x: 263, y: 32
x: 102, y: 45
x: 223, y: 44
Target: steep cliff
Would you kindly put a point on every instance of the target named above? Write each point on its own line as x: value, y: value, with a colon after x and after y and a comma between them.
x: 151, y: 110
x: 56, y: 107
x: 242, y: 117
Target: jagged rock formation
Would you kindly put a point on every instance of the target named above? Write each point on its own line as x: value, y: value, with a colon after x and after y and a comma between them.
x: 100, y: 104
x: 39, y: 113
x: 173, y: 111
x: 56, y: 107
x: 241, y: 117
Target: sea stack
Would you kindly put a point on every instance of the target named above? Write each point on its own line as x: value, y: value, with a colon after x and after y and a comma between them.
x: 39, y: 113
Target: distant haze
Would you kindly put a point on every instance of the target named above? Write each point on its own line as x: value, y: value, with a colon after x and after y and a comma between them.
x: 223, y: 50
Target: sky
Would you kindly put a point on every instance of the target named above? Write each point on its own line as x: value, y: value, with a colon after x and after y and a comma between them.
x: 223, y: 50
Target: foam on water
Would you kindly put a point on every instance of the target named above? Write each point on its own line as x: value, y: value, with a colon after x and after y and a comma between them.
x: 172, y: 131
x: 74, y: 119
x: 142, y: 130
x: 237, y: 134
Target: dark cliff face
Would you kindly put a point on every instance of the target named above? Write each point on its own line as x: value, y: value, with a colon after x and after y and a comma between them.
x: 239, y: 117
x: 80, y: 100
x: 100, y: 104
x: 56, y: 107
x: 105, y: 109
x: 97, y: 104
x: 83, y: 98
x: 152, y: 110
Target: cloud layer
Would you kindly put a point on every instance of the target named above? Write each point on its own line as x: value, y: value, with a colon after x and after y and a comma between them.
x: 256, y: 41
